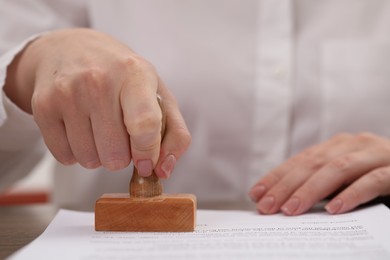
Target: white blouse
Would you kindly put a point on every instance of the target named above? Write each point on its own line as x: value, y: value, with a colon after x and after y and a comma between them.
x: 256, y: 81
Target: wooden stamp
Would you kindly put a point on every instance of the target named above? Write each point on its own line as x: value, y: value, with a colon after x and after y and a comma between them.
x: 161, y: 213
x: 145, y: 208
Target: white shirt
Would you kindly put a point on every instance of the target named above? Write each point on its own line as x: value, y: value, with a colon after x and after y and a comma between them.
x: 256, y: 81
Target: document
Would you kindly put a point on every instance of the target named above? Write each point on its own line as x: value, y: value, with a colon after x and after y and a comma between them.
x: 361, y: 234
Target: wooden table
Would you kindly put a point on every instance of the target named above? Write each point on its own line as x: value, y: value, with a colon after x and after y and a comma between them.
x: 19, y: 225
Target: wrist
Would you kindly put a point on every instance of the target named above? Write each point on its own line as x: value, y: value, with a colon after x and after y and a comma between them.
x: 19, y: 83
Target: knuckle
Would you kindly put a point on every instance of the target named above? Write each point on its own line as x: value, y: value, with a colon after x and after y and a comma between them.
x: 289, y: 164
x: 342, y: 164
x: 309, y: 193
x: 145, y: 122
x: 136, y: 64
x: 312, y: 159
x: 94, y: 76
x: 39, y: 105
x: 354, y: 194
x: 62, y: 95
x: 46, y: 106
x: 341, y: 137
x: 129, y: 62
x: 300, y: 158
x: 272, y: 178
x: 96, y: 82
x: 184, y: 139
x: 365, y: 137
x: 62, y: 88
x: 307, y: 190
x: 64, y: 157
x: 283, y: 188
x: 379, y: 178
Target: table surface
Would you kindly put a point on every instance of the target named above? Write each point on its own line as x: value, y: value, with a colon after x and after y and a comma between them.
x: 19, y: 225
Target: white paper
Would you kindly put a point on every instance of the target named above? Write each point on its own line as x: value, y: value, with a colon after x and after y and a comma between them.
x: 362, y: 234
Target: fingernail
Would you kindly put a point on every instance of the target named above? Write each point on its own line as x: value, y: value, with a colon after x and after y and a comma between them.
x: 334, y: 206
x: 291, y: 206
x: 266, y: 204
x: 145, y: 168
x: 256, y: 192
x: 168, y: 165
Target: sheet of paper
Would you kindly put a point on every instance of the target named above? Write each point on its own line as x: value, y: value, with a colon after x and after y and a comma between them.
x: 362, y: 234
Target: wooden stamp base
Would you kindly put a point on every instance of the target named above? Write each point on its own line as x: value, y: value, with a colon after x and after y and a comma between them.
x: 164, y: 213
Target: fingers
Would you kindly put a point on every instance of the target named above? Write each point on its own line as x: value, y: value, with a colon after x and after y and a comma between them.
x: 57, y: 142
x: 279, y: 193
x: 340, y: 171
x: 142, y: 117
x: 295, y: 163
x: 148, y: 144
x: 52, y: 128
x: 98, y: 104
x: 366, y: 188
x: 73, y: 135
x: 110, y: 135
x: 176, y: 138
x: 295, y: 186
x: 90, y: 126
x: 81, y: 142
x: 275, y: 188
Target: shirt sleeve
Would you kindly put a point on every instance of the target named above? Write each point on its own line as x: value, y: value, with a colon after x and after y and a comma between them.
x: 21, y: 145
x: 20, y: 140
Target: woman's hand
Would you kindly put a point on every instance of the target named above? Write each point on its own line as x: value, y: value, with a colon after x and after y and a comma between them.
x: 355, y: 166
x: 95, y: 102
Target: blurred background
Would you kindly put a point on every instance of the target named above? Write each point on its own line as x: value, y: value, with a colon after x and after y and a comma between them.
x: 35, y: 188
